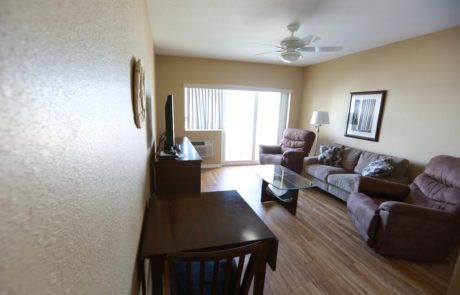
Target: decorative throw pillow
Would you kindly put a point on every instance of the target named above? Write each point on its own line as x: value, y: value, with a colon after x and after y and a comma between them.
x: 378, y: 168
x: 331, y: 155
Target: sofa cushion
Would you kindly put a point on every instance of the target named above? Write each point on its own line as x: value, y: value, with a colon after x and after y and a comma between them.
x: 350, y: 157
x: 347, y: 182
x: 400, y: 165
x: 331, y: 155
x: 378, y: 168
x: 321, y: 172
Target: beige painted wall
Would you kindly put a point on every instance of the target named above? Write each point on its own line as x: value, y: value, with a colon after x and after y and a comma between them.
x: 73, y: 167
x: 173, y: 72
x: 422, y: 109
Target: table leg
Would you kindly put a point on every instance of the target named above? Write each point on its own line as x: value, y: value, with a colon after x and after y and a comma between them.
x: 156, y: 266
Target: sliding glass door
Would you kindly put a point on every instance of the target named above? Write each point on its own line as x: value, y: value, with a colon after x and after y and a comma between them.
x: 252, y: 118
x: 239, y: 119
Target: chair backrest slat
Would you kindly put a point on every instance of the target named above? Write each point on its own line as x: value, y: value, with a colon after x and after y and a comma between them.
x: 215, y: 274
x: 189, y: 277
x: 227, y: 273
x: 202, y: 269
x: 222, y: 276
x: 239, y: 271
x: 248, y: 275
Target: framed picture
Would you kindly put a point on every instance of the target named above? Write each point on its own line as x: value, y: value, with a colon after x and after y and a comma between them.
x: 365, y: 115
x: 139, y: 94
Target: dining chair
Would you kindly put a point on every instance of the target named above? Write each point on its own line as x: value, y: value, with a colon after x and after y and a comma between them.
x: 214, y: 272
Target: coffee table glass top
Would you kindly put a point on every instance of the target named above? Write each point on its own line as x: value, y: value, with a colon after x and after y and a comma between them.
x: 282, y: 178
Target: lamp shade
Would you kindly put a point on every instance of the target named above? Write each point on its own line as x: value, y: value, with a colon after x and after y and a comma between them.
x: 319, y: 118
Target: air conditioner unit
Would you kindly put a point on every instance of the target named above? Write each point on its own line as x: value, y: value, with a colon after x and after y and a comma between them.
x: 204, y: 148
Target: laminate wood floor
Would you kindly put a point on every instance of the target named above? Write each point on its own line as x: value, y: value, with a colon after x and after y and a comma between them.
x: 320, y: 252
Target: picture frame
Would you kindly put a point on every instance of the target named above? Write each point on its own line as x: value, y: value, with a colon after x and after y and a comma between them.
x: 365, y: 114
x: 139, y: 94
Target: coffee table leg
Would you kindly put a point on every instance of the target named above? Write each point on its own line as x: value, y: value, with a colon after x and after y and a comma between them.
x: 292, y: 205
x: 264, y: 196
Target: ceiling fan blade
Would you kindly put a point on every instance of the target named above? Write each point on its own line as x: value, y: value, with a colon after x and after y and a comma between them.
x: 268, y: 52
x: 321, y: 48
x: 271, y: 45
x: 310, y: 39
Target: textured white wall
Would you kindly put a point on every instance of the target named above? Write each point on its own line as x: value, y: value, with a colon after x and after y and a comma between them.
x: 73, y: 167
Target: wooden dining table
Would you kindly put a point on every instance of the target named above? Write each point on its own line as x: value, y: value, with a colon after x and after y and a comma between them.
x: 197, y: 222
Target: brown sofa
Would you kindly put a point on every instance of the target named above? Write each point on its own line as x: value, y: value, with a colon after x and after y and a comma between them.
x: 419, y: 222
x: 294, y: 147
x: 341, y: 181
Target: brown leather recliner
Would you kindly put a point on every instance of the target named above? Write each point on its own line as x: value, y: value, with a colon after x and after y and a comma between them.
x: 418, y: 222
x: 295, y: 145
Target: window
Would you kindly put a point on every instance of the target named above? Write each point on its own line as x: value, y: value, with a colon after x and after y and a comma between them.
x: 248, y: 117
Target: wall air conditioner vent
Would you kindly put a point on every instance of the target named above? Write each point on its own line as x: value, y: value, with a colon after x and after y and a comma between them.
x: 204, y: 148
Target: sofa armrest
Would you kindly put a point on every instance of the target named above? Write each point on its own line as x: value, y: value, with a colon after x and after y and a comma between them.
x: 310, y: 160
x: 270, y: 149
x: 423, y: 213
x: 378, y: 188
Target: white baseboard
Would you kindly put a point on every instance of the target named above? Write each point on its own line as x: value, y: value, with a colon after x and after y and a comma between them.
x: 204, y: 166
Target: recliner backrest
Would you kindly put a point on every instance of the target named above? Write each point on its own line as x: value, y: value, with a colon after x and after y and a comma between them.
x: 297, y: 139
x: 440, y: 182
x: 445, y: 169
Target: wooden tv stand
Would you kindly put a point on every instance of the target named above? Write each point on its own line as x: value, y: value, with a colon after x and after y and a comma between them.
x: 178, y: 175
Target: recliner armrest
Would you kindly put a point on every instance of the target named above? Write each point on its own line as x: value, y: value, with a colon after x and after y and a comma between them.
x: 293, y: 160
x: 363, y: 212
x: 378, y: 188
x: 270, y: 149
x: 294, y: 153
x: 424, y: 213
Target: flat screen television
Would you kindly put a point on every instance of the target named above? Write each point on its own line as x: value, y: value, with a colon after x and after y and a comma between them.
x: 169, y: 146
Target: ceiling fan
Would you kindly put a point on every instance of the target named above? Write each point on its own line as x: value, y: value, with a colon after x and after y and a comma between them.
x: 291, y: 47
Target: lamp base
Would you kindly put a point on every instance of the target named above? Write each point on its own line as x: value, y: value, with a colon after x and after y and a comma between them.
x: 317, y: 139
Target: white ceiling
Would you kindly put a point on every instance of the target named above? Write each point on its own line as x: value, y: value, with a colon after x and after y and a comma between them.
x: 237, y: 29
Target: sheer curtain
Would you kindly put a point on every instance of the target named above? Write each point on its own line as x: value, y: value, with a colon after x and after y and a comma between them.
x: 283, y: 114
x: 204, y: 108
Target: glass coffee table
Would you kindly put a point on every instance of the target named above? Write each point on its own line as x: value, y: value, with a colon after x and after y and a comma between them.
x: 282, y: 185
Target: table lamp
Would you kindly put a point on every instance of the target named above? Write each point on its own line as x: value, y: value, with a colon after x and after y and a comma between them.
x: 319, y: 118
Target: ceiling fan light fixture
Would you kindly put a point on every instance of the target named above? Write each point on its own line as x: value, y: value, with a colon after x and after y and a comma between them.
x: 290, y: 56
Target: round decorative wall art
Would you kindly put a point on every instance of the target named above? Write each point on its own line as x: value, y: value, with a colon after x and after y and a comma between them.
x: 139, y: 94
